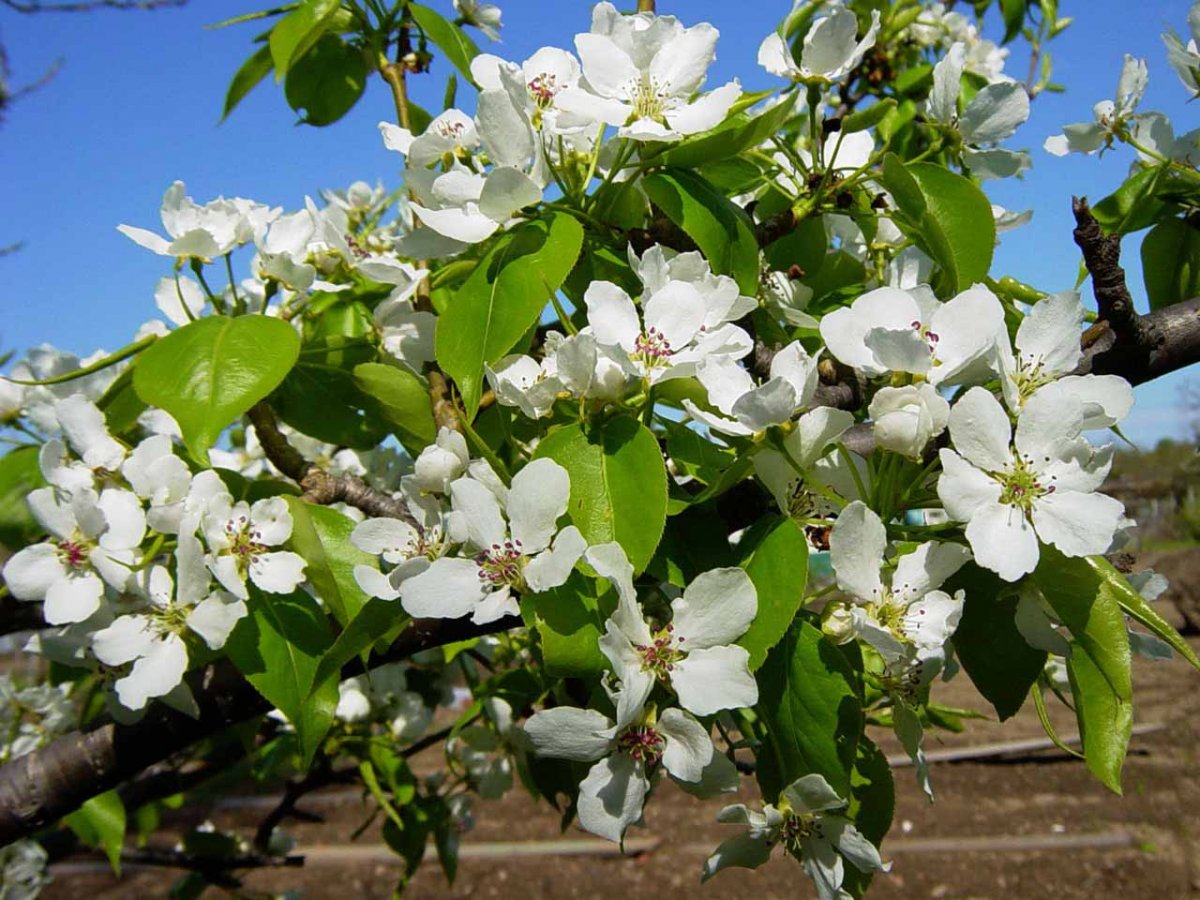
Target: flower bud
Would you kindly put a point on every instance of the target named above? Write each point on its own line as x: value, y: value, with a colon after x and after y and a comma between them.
x: 907, y: 418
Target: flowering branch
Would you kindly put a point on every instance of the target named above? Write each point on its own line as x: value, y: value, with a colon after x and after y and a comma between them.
x: 43, y: 786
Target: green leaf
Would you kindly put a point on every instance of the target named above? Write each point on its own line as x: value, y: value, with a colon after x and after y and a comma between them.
x: 278, y: 647
x: 503, y: 298
x: 325, y: 83
x: 322, y: 536
x: 296, y: 33
x: 401, y: 400
x: 1135, y: 204
x: 728, y: 139
x: 1099, y: 665
x: 720, y: 228
x: 247, y: 77
x: 869, y: 117
x: 949, y: 217
x: 1000, y: 662
x: 19, y: 475
x: 618, y: 483
x: 1136, y: 606
x: 210, y: 371
x: 100, y: 822
x: 779, y: 570
x: 872, y: 805
x: 449, y: 38
x: 120, y: 403
x: 569, y: 626
x: 1105, y: 718
x: 375, y: 620
x: 808, y: 700
x: 1014, y: 17
x: 1171, y: 262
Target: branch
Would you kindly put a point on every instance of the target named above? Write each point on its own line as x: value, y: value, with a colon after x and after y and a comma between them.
x: 318, y: 485
x: 41, y: 787
x: 19, y: 615
x: 1136, y: 347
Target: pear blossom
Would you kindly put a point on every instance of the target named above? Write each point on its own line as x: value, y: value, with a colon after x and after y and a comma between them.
x: 694, y: 653
x: 658, y: 266
x: 806, y: 822
x: 202, y: 232
x: 1039, y: 484
x: 910, y: 618
x: 383, y: 695
x: 533, y: 87
x: 1111, y: 116
x: 799, y: 473
x: 405, y: 332
x: 161, y: 478
x: 240, y: 537
x: 788, y: 296
x: 907, y: 418
x: 44, y: 362
x: 831, y: 47
x: 450, y: 135
x: 751, y: 408
x: 442, y: 462
x: 891, y: 330
x: 642, y: 72
x: 1047, y: 350
x: 484, y: 16
x: 467, y: 207
x: 93, y: 539
x: 527, y: 552
x: 523, y: 382
x: 407, y: 546
x: 179, y: 298
x: 589, y: 369
x: 991, y: 116
x: 626, y: 752
x: 1185, y: 59
x: 31, y: 715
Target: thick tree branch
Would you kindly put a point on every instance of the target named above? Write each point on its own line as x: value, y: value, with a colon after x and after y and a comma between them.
x: 1139, y: 348
x: 318, y: 485
x: 41, y: 787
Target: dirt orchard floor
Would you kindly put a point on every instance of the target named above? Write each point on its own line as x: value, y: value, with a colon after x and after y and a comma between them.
x: 1047, y: 803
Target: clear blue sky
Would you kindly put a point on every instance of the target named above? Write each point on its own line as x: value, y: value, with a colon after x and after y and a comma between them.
x: 136, y: 105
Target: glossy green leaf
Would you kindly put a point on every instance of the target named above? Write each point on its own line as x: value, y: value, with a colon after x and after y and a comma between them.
x: 872, y: 806
x: 375, y: 620
x: 100, y: 822
x: 569, y: 626
x: 731, y: 137
x: 868, y: 117
x: 401, y: 400
x: 1105, y: 718
x: 618, y: 483
x: 296, y: 33
x: 325, y: 83
x: 1171, y: 262
x: 503, y: 298
x: 1137, y: 607
x: 998, y: 659
x: 449, y: 38
x: 210, y: 371
x: 322, y: 536
x: 1099, y: 666
x: 19, y: 475
x: 720, y: 228
x: 779, y: 570
x: 1014, y: 17
x: 1135, y: 204
x: 808, y: 700
x: 278, y: 647
x: 949, y: 217
x: 247, y: 77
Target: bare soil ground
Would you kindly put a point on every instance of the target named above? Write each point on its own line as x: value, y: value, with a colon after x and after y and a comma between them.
x: 1009, y: 830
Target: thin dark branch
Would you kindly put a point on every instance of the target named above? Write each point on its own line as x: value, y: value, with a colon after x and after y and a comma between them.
x: 18, y: 615
x: 1102, y: 256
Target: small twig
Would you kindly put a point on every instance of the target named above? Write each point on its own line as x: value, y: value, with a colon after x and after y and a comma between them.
x: 1102, y: 256
x: 318, y: 485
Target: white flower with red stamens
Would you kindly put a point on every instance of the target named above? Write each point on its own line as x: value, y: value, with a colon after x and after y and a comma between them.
x: 240, y: 539
x: 499, y: 559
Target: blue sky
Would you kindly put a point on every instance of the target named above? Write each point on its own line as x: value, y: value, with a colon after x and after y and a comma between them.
x: 137, y: 102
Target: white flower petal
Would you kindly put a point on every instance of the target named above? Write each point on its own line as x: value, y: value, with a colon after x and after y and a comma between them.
x: 715, y: 678
x: 688, y: 747
x: 715, y: 609
x: 565, y: 732
x: 611, y: 797
x: 537, y: 498
x: 980, y: 431
x: 856, y: 549
x: 1077, y: 524
x: 1003, y: 541
x: 448, y: 589
x: 552, y: 567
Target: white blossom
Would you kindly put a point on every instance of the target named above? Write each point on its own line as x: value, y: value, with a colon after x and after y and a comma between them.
x: 1111, y: 116
x: 749, y: 408
x: 525, y: 553
x: 907, y: 418
x: 642, y: 73
x: 484, y: 16
x: 240, y: 538
x: 806, y: 822
x: 831, y: 47
x: 202, y: 232
x: 1013, y: 491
